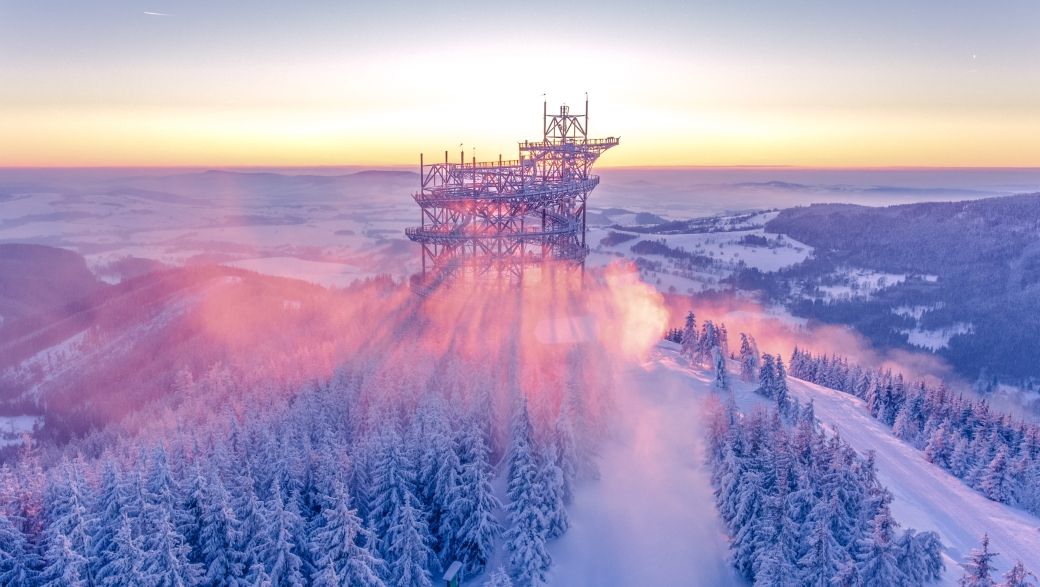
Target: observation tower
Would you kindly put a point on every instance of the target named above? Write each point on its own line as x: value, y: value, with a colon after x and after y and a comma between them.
x: 507, y: 222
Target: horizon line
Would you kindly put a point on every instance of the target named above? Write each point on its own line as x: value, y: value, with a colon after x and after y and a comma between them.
x: 399, y: 166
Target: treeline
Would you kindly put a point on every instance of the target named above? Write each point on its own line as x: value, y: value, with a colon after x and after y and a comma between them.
x: 708, y: 346
x: 803, y: 508
x: 990, y: 451
x: 615, y: 238
x: 337, y: 486
x: 685, y: 258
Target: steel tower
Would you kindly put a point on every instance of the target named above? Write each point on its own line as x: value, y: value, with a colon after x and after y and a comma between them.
x: 507, y: 221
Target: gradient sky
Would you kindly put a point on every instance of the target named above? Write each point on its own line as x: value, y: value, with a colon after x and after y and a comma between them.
x: 214, y: 82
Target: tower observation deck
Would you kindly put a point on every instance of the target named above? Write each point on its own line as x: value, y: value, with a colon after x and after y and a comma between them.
x: 507, y: 222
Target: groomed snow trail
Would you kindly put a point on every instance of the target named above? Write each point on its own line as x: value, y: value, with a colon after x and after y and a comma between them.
x: 650, y: 518
x: 926, y: 496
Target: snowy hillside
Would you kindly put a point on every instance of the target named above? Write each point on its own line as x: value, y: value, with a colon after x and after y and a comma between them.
x: 652, y: 512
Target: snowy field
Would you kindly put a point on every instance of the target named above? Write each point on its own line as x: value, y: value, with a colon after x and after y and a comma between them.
x: 13, y: 427
x: 935, y: 340
x: 356, y: 218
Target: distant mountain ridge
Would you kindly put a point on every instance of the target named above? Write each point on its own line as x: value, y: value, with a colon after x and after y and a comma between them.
x: 984, y: 256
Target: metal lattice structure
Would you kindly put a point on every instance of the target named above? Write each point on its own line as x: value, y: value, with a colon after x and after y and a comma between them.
x: 504, y: 221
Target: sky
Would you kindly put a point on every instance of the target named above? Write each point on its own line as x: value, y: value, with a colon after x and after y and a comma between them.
x: 260, y: 83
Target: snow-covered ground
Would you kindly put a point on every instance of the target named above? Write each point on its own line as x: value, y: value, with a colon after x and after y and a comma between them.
x: 859, y: 283
x: 320, y: 272
x: 651, y: 520
x: 934, y: 340
x: 915, y: 312
x: 13, y: 427
x: 926, y: 497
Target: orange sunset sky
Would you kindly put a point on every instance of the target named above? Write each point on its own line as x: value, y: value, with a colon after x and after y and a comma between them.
x: 191, y: 83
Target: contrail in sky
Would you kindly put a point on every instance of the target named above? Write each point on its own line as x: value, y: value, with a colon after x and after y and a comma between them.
x: 156, y: 13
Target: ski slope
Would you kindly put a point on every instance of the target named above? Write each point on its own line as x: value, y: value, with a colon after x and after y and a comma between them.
x: 650, y: 518
x: 925, y: 496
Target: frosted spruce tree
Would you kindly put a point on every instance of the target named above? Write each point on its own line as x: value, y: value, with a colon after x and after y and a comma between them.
x: 688, y: 342
x: 473, y: 512
x: 280, y: 558
x: 526, y: 535
x: 767, y: 377
x: 340, y: 544
x: 498, y: 578
x: 222, y: 565
x: 67, y: 537
x: 17, y: 561
x: 718, y: 360
x: 392, y: 481
x: 124, y: 564
x: 748, y: 360
x: 165, y: 552
x: 1018, y: 576
x: 109, y: 516
x: 877, y: 555
x: 824, y: 556
x: 978, y: 571
x: 64, y: 566
x: 408, y: 548
x: 780, y: 385
x: 554, y: 509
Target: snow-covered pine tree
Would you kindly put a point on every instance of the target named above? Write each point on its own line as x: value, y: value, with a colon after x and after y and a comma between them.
x: 251, y: 533
x: 340, y: 544
x: 498, y: 578
x: 996, y: 481
x: 124, y: 564
x: 1018, y: 576
x: 937, y: 450
x: 526, y: 535
x: 325, y: 576
x: 190, y: 510
x: 708, y: 339
x: 776, y: 563
x: 877, y: 553
x: 222, y: 564
x: 688, y: 346
x: 566, y: 452
x: 257, y: 576
x: 473, y: 508
x: 723, y: 340
x: 978, y: 570
x: 108, y: 518
x: 393, y: 480
x: 767, y: 377
x: 553, y: 508
x: 920, y: 556
x: 165, y: 553
x: 748, y: 360
x: 280, y: 558
x: 780, y: 385
x: 64, y: 567
x: 17, y: 564
x: 408, y: 548
x: 823, y: 556
x: 718, y: 360
x: 445, y: 489
x: 750, y: 526
x: 67, y: 535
